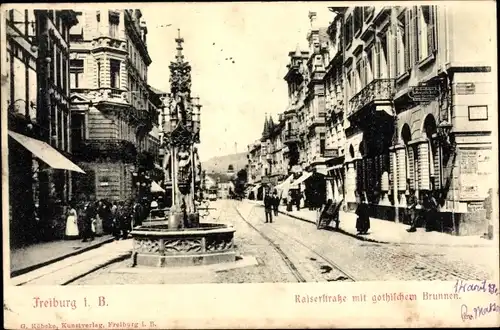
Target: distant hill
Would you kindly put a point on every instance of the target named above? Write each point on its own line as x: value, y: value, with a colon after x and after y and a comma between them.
x: 220, y: 164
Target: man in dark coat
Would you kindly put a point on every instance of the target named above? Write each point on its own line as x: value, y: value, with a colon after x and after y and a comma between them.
x: 411, y: 211
x: 276, y: 203
x: 363, y: 220
x: 88, y: 213
x: 268, y: 207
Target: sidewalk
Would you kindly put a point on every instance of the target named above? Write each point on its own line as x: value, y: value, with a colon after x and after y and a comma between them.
x: 26, y: 259
x: 383, y: 231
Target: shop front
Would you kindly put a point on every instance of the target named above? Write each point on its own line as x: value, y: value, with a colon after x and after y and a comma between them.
x: 28, y: 159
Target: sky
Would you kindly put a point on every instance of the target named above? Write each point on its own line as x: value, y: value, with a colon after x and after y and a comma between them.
x: 235, y: 96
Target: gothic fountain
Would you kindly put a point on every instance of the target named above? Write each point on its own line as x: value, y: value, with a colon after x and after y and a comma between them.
x: 181, y: 239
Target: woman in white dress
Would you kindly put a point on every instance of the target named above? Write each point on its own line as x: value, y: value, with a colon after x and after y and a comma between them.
x: 72, y: 223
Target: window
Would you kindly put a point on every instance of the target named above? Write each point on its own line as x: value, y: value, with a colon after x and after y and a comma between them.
x: 402, y: 49
x: 348, y: 31
x: 65, y: 75
x: 114, y: 21
x: 413, y: 35
x: 361, y: 69
x: 114, y: 68
x: 358, y: 20
x: 426, y: 31
x: 76, y: 31
x: 76, y: 73
x: 98, y: 21
x: 59, y: 67
x: 371, y: 64
x: 98, y: 74
x: 322, y: 146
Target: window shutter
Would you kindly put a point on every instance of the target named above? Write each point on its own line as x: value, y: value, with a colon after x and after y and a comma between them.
x: 424, y: 168
x: 435, y: 159
x: 411, y: 167
x: 431, y: 30
x: 417, y: 34
x: 399, y: 44
x: 407, y: 41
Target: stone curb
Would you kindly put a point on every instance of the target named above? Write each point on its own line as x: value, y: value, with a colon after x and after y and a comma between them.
x: 366, y: 239
x: 119, y: 258
x: 339, y: 230
x: 56, y: 259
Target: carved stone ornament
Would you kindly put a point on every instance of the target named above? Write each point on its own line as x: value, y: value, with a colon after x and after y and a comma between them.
x: 147, y: 246
x: 220, y: 244
x: 183, y: 245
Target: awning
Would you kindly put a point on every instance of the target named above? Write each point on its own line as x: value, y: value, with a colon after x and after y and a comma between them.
x: 336, y: 167
x: 155, y: 187
x: 285, y: 183
x: 303, y: 178
x: 46, y: 153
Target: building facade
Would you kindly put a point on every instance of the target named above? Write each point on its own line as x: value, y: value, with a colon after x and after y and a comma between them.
x: 38, y: 111
x: 113, y: 122
x: 393, y: 99
x: 417, y: 106
x: 314, y: 102
x: 334, y: 152
x: 295, y: 130
x: 272, y: 152
x: 254, y: 166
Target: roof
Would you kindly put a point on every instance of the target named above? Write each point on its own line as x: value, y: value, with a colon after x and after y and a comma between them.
x: 155, y: 90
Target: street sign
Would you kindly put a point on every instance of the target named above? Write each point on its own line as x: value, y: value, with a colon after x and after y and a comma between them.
x: 423, y: 93
x: 465, y: 88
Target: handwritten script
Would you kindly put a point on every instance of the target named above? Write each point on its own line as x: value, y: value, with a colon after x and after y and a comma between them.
x: 484, y: 286
x: 478, y: 311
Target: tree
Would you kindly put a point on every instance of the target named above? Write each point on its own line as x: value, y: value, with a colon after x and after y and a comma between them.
x: 240, y: 182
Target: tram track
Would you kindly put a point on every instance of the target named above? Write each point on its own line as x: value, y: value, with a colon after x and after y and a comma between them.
x: 294, y: 269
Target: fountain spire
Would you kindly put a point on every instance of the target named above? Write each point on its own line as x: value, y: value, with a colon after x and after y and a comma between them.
x: 179, y: 40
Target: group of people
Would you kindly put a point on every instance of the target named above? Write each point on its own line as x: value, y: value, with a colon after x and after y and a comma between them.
x: 271, y: 205
x: 88, y: 218
x: 329, y: 211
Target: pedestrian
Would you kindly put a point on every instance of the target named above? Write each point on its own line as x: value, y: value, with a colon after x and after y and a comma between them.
x: 117, y: 219
x: 431, y: 212
x: 72, y: 222
x: 411, y: 211
x: 98, y: 219
x: 276, y: 203
x: 289, y: 201
x: 363, y: 220
x: 87, y: 216
x: 268, y: 207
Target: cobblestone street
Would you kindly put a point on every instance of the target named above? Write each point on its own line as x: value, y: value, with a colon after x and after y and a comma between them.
x: 290, y: 250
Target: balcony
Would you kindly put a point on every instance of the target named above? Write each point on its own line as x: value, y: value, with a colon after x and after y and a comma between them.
x: 379, y: 90
x: 113, y: 149
x: 291, y: 136
x: 313, y: 121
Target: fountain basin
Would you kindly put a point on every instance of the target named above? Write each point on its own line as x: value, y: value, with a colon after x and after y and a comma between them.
x: 155, y: 245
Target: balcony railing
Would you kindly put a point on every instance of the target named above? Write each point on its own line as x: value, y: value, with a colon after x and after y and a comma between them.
x: 377, y: 90
x: 113, y: 148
